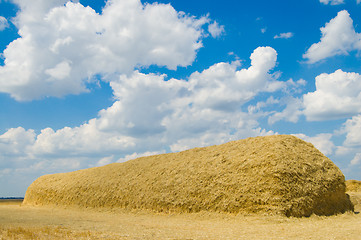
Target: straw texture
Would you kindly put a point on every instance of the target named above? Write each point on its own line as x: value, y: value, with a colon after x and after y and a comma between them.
x: 278, y: 174
x: 353, y: 186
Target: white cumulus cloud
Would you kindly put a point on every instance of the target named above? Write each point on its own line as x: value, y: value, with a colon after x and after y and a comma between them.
x: 152, y: 114
x: 291, y: 113
x: 208, y: 104
x: 15, y: 143
x: 337, y: 95
x: 63, y: 44
x: 338, y: 38
x: 224, y: 87
x: 86, y: 140
x: 352, y: 128
x: 351, y: 147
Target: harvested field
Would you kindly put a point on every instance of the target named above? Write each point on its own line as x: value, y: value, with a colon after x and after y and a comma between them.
x: 42, y: 223
x: 11, y: 201
x: 270, y: 175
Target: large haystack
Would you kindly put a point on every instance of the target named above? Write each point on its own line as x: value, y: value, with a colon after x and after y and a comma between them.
x: 274, y: 175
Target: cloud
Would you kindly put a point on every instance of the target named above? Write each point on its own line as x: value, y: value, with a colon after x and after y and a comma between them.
x: 356, y: 160
x: 333, y: 2
x: 286, y: 35
x: 215, y: 29
x: 291, y: 113
x: 60, y: 71
x: 294, y: 105
x: 321, y: 141
x: 84, y: 140
x: 3, y: 23
x: 15, y: 143
x: 63, y: 44
x: 352, y: 128
x: 153, y: 114
x: 351, y: 146
x: 337, y: 95
x: 338, y: 38
x: 223, y: 87
x: 207, y: 104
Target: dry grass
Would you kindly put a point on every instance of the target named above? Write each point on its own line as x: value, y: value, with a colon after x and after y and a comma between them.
x: 266, y: 175
x: 55, y: 223
x: 11, y: 202
x: 42, y: 233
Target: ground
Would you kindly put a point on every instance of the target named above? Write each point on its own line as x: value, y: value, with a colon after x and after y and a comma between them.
x: 19, y: 222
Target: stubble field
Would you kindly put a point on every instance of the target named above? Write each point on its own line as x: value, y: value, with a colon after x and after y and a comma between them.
x: 25, y: 222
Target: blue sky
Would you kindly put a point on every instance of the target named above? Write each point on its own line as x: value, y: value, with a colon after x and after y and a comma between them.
x: 88, y: 83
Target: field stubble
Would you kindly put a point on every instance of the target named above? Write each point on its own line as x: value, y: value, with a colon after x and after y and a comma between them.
x: 25, y: 222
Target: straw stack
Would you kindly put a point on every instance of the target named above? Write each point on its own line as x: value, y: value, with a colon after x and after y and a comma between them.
x: 353, y: 186
x: 278, y: 174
